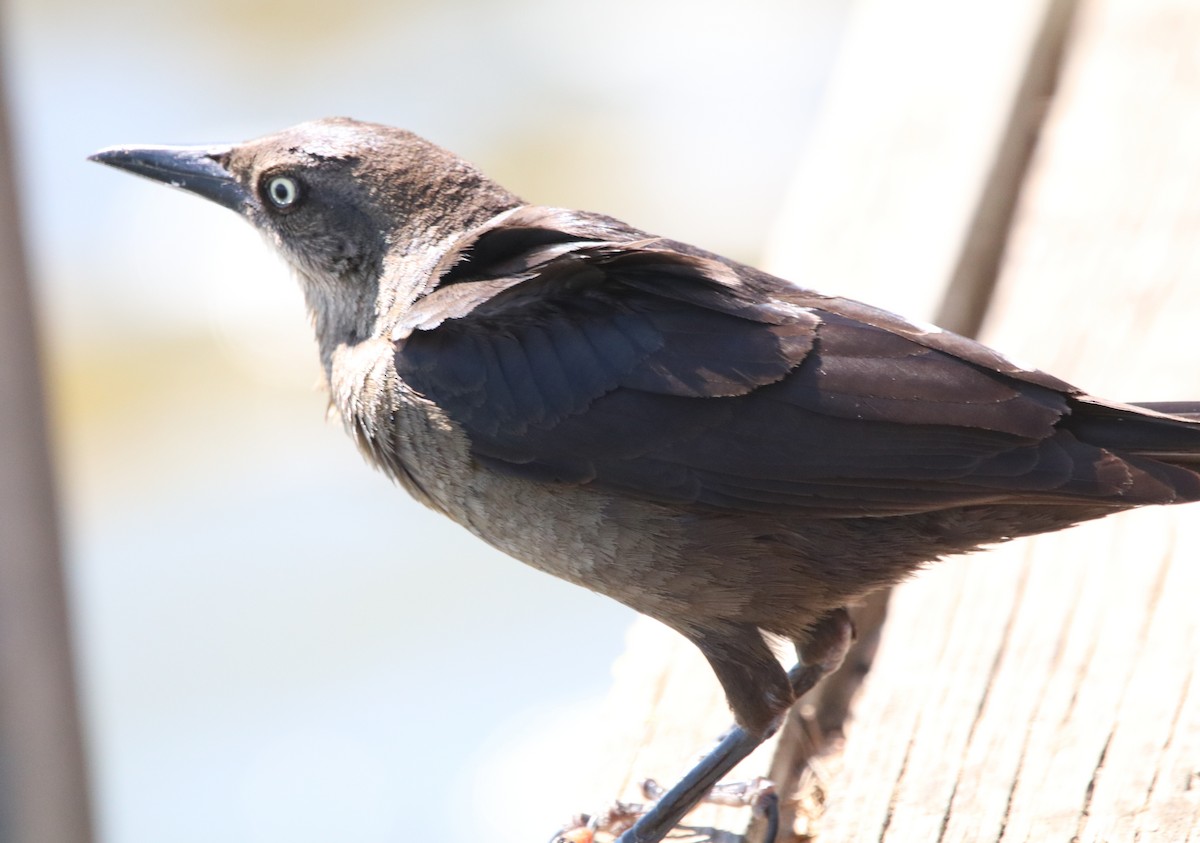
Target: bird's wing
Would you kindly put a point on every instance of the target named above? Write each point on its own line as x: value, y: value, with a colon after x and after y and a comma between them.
x: 570, y: 353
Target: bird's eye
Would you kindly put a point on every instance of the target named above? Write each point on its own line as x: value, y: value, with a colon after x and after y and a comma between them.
x: 282, y: 191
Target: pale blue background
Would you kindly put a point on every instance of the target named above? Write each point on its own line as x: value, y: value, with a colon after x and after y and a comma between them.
x: 276, y: 644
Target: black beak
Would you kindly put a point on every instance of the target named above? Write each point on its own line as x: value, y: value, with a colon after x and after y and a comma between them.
x: 194, y: 168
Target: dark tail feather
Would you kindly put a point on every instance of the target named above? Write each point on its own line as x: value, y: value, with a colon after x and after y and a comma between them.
x: 1183, y: 409
x: 1168, y: 431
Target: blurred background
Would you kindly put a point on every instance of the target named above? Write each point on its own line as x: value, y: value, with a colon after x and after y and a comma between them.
x: 275, y: 644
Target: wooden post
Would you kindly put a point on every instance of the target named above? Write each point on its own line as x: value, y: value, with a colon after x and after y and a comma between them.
x: 43, y: 793
x: 1048, y: 690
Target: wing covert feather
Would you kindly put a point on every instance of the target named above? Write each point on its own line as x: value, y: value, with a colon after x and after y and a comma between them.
x: 648, y: 368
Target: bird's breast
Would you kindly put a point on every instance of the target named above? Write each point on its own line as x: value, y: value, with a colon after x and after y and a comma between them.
x: 568, y: 532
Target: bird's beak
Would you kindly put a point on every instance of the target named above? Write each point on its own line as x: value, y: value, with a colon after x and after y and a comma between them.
x: 194, y: 168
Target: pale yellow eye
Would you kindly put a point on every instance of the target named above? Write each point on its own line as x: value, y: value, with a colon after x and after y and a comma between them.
x: 282, y: 191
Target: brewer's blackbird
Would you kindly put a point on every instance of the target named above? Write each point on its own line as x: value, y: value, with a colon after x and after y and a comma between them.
x: 716, y: 447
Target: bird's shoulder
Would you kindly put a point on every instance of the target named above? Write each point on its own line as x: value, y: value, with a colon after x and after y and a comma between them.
x: 690, y: 322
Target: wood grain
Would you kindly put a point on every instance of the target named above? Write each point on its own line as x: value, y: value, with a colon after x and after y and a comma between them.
x: 1047, y: 690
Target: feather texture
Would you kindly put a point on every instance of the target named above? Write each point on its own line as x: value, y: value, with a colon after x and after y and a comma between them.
x: 573, y: 350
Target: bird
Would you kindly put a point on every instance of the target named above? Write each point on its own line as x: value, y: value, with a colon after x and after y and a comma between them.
x: 723, y: 450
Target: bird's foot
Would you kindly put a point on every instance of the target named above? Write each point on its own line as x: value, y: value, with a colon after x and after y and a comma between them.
x: 602, y: 827
x: 823, y: 653
x: 758, y: 794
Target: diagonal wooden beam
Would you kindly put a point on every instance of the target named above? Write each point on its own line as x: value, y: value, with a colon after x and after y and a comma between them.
x: 43, y: 787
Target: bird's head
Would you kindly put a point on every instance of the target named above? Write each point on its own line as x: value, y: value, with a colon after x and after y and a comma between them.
x: 361, y: 211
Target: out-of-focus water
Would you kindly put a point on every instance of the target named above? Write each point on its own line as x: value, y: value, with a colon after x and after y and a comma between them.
x: 276, y: 644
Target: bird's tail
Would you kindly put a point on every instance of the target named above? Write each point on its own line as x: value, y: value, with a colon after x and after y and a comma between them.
x: 1165, y: 431
x: 1184, y: 409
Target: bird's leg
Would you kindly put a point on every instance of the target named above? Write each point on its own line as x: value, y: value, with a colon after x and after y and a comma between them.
x: 831, y: 702
x: 822, y: 654
x: 758, y: 794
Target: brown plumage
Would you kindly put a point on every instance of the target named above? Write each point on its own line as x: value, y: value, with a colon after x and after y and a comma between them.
x: 711, y: 445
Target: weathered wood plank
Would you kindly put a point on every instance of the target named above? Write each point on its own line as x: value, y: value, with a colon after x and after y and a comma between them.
x: 895, y: 197
x: 1047, y: 690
